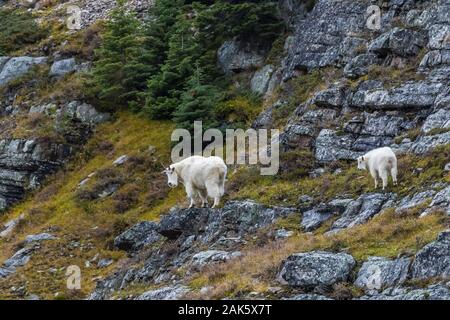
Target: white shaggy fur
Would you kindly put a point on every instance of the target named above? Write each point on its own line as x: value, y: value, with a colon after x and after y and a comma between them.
x: 202, y: 177
x: 380, y: 162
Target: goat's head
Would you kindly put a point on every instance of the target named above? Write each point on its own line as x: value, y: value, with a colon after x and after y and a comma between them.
x: 172, y: 177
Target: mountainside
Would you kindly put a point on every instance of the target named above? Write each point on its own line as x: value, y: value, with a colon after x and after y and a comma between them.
x: 86, y: 117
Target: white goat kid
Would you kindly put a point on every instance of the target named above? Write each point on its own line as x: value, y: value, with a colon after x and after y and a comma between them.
x: 202, y: 177
x: 380, y: 162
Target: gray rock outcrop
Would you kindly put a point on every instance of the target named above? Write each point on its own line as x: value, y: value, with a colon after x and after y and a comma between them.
x: 18, y: 66
x: 316, y: 269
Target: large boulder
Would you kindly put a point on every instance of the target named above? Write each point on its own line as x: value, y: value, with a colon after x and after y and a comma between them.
x: 62, y: 67
x: 303, y: 127
x: 39, y: 237
x: 83, y: 112
x: 332, y: 97
x: 378, y: 272
x: 401, y: 42
x: 16, y: 67
x: 138, y: 236
x: 435, y: 58
x: 182, y: 221
x: 9, y: 226
x: 438, y: 36
x: 434, y: 259
x: 362, y: 209
x: 441, y: 200
x: 414, y: 200
x: 316, y: 269
x: 312, y: 219
x: 378, y: 124
x: 19, y: 259
x: 362, y: 133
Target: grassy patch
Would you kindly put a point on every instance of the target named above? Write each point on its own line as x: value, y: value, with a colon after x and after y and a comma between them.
x: 23, y: 126
x: 93, y: 224
x: 247, y: 183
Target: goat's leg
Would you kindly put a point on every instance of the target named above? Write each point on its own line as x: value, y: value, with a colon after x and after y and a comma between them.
x: 374, y: 175
x: 204, y: 197
x: 190, y: 194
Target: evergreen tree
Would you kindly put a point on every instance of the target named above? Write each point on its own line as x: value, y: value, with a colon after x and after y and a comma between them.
x: 166, y: 87
x: 122, y: 64
x: 158, y: 29
x: 198, y: 102
x: 198, y: 29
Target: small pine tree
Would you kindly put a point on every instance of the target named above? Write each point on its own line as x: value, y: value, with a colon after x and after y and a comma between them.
x: 122, y: 64
x: 157, y: 30
x: 166, y: 87
x: 198, y: 102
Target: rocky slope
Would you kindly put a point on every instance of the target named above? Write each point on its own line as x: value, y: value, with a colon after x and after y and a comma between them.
x: 317, y: 231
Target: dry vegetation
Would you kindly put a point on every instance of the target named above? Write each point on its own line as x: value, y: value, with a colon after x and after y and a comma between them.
x: 86, y: 228
x: 388, y: 235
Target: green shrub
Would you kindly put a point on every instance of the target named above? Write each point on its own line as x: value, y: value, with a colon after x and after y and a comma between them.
x: 18, y: 29
x: 239, y: 107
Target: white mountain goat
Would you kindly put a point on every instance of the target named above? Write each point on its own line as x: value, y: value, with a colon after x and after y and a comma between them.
x: 380, y: 162
x: 203, y: 177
